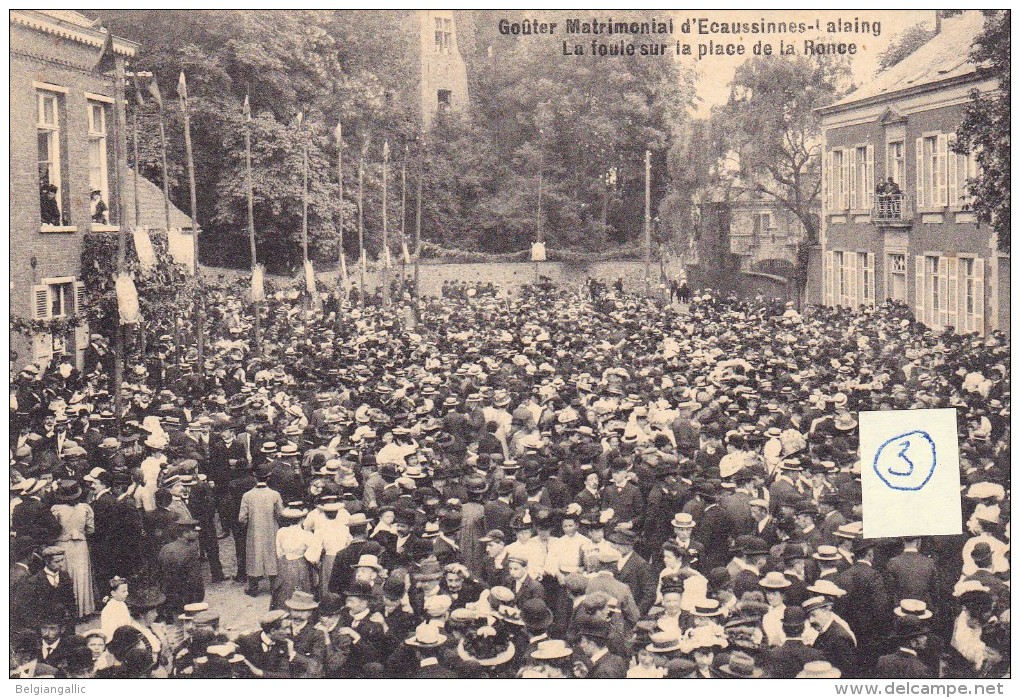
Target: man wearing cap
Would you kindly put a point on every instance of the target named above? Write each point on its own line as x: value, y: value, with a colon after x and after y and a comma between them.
x: 48, y: 589
x: 600, y: 663
x: 271, y: 650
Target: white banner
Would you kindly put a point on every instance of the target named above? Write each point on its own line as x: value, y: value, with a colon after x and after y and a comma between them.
x: 143, y: 247
x: 538, y: 252
x: 258, y: 284
x: 309, y: 276
x: 127, y: 301
x: 181, y: 248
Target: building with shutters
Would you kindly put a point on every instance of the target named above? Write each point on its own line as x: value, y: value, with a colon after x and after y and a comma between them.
x: 896, y: 218
x: 62, y: 135
x: 442, y: 79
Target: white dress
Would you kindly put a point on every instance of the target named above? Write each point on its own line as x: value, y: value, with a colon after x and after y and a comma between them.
x: 115, y: 615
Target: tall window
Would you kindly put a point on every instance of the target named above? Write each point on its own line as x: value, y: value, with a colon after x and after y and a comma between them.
x: 836, y: 180
x: 841, y: 274
x: 51, y: 195
x: 897, y: 286
x: 931, y: 287
x: 99, y: 180
x: 866, y: 278
x: 933, y: 183
x: 444, y: 35
x: 895, y: 166
x: 862, y: 182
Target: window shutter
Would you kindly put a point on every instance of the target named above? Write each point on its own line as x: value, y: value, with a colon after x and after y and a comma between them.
x: 869, y: 176
x: 942, y: 192
x: 41, y: 302
x: 850, y: 260
x: 79, y: 297
x: 955, y: 175
x: 853, y: 179
x: 845, y: 175
x: 953, y: 295
x: 943, y: 318
x: 979, y: 296
x: 919, y: 162
x: 81, y: 332
x: 919, y: 295
x: 828, y: 278
x: 870, y: 298
x: 826, y: 182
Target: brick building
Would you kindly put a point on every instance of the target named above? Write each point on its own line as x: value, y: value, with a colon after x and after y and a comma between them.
x: 896, y: 218
x: 62, y: 141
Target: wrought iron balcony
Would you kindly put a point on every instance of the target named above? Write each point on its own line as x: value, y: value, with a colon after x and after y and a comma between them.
x: 891, y: 208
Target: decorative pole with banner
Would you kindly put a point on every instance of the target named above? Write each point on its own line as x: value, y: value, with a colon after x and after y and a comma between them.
x: 417, y: 222
x: 139, y: 104
x: 257, y: 292
x: 403, y: 217
x: 120, y: 156
x: 648, y: 222
x: 341, y: 260
x: 304, y: 208
x: 361, y: 221
x: 182, y: 92
x: 158, y: 97
x: 385, y: 237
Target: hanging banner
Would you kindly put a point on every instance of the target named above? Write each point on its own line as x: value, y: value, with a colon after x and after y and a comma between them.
x: 258, y: 284
x: 538, y: 252
x: 387, y: 260
x: 143, y: 247
x: 181, y: 249
x: 403, y: 249
x: 127, y: 301
x: 309, y: 277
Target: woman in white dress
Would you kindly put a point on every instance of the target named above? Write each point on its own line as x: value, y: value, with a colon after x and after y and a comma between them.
x: 77, y: 521
x: 115, y: 612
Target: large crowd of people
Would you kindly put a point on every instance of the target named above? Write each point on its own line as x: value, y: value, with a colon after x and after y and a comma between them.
x: 538, y: 485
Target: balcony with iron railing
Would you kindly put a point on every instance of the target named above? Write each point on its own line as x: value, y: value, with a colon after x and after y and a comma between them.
x: 892, y: 210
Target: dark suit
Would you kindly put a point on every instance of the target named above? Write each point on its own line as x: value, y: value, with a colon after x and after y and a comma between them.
x: 36, y: 598
x: 310, y: 643
x: 609, y: 666
x: 737, y: 508
x: 912, y: 575
x: 32, y: 519
x: 342, y: 574
x: 530, y: 589
x: 866, y: 607
x: 638, y: 575
x: 498, y: 515
x: 788, y: 660
x: 274, y: 662
x: 839, y: 648
x: 902, y: 665
x: 713, y: 533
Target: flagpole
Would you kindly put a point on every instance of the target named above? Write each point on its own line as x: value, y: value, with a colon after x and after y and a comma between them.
x: 385, y: 238
x: 403, y: 218
x: 182, y: 91
x: 249, y: 191
x: 120, y: 145
x: 304, y: 200
x: 341, y: 262
x: 138, y: 206
x: 154, y: 91
x: 417, y: 223
x: 648, y: 222
x: 361, y: 223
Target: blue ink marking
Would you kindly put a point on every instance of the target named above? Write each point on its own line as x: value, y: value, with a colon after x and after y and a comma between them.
x: 906, y: 474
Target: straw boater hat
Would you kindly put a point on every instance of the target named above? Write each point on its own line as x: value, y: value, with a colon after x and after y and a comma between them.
x: 426, y: 635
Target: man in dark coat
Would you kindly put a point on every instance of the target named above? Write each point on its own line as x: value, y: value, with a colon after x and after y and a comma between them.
x: 601, y: 662
x: 343, y: 564
x: 202, y: 503
x: 104, y: 543
x: 834, y: 641
x: 634, y: 571
x: 912, y: 637
x: 179, y: 564
x: 49, y: 588
x: 712, y: 532
x: 270, y: 650
x: 32, y: 518
x: 623, y: 498
x: 499, y: 512
x: 788, y: 660
x: 912, y: 575
x: 866, y: 603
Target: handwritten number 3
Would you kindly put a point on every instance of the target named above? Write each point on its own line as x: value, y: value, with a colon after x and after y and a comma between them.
x: 904, y: 447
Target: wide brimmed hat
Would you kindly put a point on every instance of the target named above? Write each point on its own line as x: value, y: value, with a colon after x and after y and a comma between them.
x: 774, y: 580
x: 67, y: 491
x: 552, y: 649
x: 487, y: 647
x: 741, y: 666
x: 426, y: 635
x: 819, y: 670
x: 371, y: 561
x: 707, y: 608
x: 913, y: 608
x: 663, y: 642
x: 536, y: 614
x: 301, y: 601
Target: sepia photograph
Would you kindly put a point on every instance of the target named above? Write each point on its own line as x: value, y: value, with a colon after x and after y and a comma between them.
x: 464, y: 344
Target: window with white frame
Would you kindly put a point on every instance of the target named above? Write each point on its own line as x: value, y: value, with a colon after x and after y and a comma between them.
x: 931, y: 280
x: 896, y: 285
x: 962, y: 168
x: 58, y: 298
x: 895, y: 166
x: 837, y: 193
x: 970, y: 314
x: 862, y: 184
x: 444, y: 35
x: 52, y: 199
x: 841, y: 274
x: 932, y: 171
x: 866, y: 278
x: 99, y: 180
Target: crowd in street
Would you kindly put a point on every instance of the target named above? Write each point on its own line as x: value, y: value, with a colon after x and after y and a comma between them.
x: 543, y: 484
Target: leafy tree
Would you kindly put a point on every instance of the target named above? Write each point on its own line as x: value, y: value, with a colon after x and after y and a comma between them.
x: 904, y: 44
x: 776, y: 135
x: 986, y: 126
